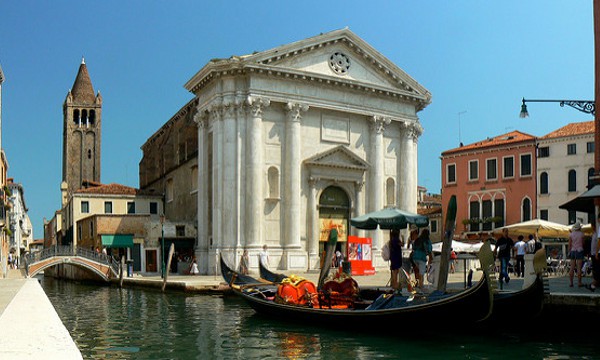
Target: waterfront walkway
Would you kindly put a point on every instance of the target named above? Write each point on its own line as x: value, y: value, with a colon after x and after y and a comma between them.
x: 31, y: 329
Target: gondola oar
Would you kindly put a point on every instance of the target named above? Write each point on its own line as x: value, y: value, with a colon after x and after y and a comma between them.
x: 330, y: 248
x: 446, y: 244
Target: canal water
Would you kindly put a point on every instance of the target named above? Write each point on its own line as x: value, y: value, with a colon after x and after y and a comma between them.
x: 112, y: 323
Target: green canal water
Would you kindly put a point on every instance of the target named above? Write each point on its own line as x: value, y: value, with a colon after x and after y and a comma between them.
x: 113, y: 323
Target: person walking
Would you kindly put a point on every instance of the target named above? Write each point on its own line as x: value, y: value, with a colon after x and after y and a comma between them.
x: 521, y: 249
x: 575, y: 251
x: 263, y: 256
x: 594, y: 248
x: 395, y: 259
x: 244, y: 260
x: 422, y: 252
x: 502, y: 251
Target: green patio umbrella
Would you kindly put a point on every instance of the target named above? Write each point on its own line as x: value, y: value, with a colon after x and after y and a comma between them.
x: 389, y: 218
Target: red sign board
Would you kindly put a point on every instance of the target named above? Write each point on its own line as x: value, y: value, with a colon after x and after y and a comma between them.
x: 360, y: 255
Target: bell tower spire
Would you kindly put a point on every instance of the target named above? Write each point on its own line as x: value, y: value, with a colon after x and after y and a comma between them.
x: 82, y: 124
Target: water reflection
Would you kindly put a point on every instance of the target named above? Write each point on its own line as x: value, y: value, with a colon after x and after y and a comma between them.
x: 113, y: 323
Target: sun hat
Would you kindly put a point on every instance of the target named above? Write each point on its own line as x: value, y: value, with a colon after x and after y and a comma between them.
x: 577, y: 226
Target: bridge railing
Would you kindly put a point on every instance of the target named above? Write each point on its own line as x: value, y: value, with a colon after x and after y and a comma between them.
x: 66, y: 250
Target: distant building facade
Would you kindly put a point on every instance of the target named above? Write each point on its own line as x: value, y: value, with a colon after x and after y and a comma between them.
x: 565, y: 163
x: 4, y: 204
x: 19, y: 223
x: 290, y: 142
x: 493, y: 181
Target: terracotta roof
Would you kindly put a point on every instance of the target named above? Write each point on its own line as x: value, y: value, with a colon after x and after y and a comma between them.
x: 504, y: 139
x: 109, y: 189
x: 430, y: 211
x: 83, y: 91
x: 579, y: 128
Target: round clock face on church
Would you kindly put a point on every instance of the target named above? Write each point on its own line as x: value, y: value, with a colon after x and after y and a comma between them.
x: 339, y: 63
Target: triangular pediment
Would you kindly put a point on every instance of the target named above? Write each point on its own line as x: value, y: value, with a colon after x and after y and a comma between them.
x: 343, y: 55
x: 338, y: 157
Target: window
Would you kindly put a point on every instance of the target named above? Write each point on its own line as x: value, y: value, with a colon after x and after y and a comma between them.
x: 544, y: 183
x: 492, y: 170
x: 434, y: 226
x: 499, y: 212
x: 194, y: 178
x: 486, y: 206
x: 91, y: 229
x: 526, y: 165
x: 390, y: 190
x: 572, y: 217
x: 169, y: 194
x: 131, y: 207
x: 451, y: 174
x: 544, y: 215
x: 571, y: 149
x: 572, y: 181
x: 153, y: 208
x: 590, y: 147
x: 590, y: 182
x: 473, y: 170
x: 509, y: 167
x: 474, y: 211
x: 544, y: 152
x: 108, y: 207
x: 526, y: 210
x: 180, y: 230
x: 85, y: 207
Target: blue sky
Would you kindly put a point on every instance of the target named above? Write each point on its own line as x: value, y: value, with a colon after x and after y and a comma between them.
x: 477, y: 58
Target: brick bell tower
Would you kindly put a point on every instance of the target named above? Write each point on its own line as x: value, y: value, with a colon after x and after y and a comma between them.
x: 82, y: 114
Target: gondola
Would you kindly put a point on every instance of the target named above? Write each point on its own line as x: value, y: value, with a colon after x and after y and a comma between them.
x: 418, y: 310
x: 526, y: 303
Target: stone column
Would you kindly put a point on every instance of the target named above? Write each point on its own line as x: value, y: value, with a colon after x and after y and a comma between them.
x: 313, y: 226
x: 358, y: 204
x: 376, y: 180
x: 200, y: 118
x: 292, y: 179
x: 407, y: 174
x: 217, y: 180
x: 254, y: 173
x: 229, y: 184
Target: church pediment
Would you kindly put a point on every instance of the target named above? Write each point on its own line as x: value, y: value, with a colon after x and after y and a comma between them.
x: 338, y: 56
x: 339, y: 157
x: 343, y: 55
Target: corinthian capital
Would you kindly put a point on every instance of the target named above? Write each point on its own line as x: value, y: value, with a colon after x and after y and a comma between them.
x: 257, y: 105
x: 200, y: 117
x: 378, y: 123
x: 412, y: 130
x: 295, y: 110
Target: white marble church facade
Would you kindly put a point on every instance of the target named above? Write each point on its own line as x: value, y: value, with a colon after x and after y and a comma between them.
x: 323, y: 128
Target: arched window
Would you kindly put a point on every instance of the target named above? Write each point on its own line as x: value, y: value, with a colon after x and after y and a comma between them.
x: 273, y: 179
x: 591, y: 173
x: 76, y: 118
x: 544, y: 183
x: 92, y: 117
x: 526, y: 210
x: 572, y: 180
x: 390, y: 190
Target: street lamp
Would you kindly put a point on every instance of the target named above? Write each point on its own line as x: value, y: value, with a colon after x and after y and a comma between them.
x: 162, y: 236
x: 586, y: 106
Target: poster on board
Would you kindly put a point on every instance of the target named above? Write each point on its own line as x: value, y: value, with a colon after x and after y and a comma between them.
x: 359, y: 252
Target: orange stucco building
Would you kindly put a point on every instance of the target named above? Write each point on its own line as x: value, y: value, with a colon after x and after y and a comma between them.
x: 493, y: 180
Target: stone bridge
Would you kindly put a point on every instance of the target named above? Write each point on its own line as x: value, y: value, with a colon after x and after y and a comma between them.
x: 106, y: 267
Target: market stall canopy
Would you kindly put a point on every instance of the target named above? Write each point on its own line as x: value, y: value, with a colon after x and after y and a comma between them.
x: 389, y: 218
x: 461, y: 247
x: 583, y: 202
x: 543, y: 229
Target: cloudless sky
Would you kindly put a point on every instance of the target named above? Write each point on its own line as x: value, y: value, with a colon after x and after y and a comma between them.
x: 477, y: 58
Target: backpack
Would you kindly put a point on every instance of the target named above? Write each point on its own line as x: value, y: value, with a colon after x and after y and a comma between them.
x: 385, y: 251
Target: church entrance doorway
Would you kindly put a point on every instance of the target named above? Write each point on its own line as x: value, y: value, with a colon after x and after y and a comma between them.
x: 334, y: 211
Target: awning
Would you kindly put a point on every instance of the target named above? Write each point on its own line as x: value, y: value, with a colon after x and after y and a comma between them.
x: 117, y: 241
x: 584, y: 202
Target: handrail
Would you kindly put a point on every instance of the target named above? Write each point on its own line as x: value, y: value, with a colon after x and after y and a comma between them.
x: 66, y: 250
